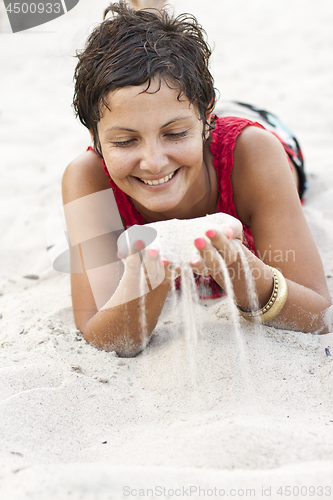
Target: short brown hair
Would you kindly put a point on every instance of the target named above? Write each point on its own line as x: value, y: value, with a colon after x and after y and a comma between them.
x: 131, y: 49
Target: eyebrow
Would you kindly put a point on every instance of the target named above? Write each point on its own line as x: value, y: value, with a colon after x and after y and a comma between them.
x: 178, y: 119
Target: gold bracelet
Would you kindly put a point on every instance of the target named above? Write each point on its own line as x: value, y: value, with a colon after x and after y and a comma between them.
x: 274, y: 305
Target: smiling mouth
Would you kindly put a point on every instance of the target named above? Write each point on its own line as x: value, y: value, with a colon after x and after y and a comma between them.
x: 160, y: 181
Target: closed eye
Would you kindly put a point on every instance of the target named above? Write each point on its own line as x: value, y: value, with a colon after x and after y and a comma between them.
x: 175, y: 136
x: 123, y: 143
x: 179, y: 135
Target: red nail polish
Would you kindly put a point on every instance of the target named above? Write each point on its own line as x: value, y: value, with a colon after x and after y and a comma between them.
x: 195, y: 262
x: 200, y: 243
x: 211, y: 233
x: 230, y: 233
x: 153, y: 252
x: 139, y: 245
x: 164, y: 262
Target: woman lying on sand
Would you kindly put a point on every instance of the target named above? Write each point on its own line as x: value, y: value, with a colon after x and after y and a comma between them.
x: 144, y: 91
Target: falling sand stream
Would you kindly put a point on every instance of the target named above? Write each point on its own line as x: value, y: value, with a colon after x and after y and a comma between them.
x: 174, y: 239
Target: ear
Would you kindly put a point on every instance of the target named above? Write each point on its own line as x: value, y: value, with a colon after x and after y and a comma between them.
x: 207, y: 129
x: 209, y: 115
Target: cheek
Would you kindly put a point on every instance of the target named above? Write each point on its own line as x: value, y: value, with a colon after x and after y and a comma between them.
x: 194, y: 157
x: 118, y: 164
x: 190, y: 153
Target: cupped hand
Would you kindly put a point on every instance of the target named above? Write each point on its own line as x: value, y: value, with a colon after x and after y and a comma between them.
x: 148, y: 260
x: 221, y: 243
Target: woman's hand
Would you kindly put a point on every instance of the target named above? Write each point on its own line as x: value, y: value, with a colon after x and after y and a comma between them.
x: 148, y: 261
x: 221, y: 243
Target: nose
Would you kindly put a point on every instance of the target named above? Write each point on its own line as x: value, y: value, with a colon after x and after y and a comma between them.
x: 153, y: 158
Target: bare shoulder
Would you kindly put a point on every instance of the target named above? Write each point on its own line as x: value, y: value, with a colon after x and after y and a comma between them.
x: 90, y: 227
x: 253, y: 133
x: 267, y: 200
x: 84, y: 176
x: 260, y: 151
x: 261, y: 172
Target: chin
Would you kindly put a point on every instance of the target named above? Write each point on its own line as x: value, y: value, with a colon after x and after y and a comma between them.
x: 160, y: 207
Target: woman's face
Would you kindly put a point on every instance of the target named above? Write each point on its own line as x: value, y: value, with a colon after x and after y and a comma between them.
x: 152, y: 145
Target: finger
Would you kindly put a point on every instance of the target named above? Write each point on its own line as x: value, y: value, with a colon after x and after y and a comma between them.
x: 209, y: 262
x: 219, y: 243
x: 153, y: 252
x: 134, y: 258
x: 139, y: 245
x: 151, y: 260
x: 153, y: 266
x: 199, y: 267
x: 208, y: 257
x: 223, y: 241
x: 237, y: 228
x: 123, y: 251
x: 218, y: 239
x: 151, y: 257
x: 157, y: 264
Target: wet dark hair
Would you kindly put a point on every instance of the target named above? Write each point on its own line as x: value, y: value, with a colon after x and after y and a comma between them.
x: 131, y: 49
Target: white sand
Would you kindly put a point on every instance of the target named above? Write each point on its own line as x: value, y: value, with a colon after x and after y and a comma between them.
x: 82, y: 424
x: 174, y: 238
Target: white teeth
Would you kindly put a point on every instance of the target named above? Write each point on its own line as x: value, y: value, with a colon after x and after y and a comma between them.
x: 161, y: 181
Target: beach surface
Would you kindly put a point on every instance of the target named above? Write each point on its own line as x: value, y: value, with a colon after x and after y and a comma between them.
x: 241, y: 415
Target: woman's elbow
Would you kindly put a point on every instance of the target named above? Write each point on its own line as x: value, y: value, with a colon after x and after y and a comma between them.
x: 124, y: 346
x: 327, y: 319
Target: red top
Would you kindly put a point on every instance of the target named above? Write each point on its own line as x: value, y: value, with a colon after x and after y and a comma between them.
x: 222, y: 146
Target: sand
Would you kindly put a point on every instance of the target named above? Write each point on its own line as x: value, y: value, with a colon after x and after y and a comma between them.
x: 80, y: 423
x: 174, y: 238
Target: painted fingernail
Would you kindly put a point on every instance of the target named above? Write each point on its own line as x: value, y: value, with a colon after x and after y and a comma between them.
x: 200, y: 243
x: 164, y: 262
x: 230, y: 233
x: 153, y: 252
x: 139, y: 245
x: 195, y: 262
x: 211, y: 233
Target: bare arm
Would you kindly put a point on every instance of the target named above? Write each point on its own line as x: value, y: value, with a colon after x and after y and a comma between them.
x: 106, y: 300
x: 266, y: 200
